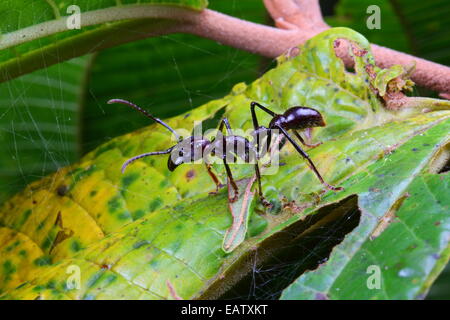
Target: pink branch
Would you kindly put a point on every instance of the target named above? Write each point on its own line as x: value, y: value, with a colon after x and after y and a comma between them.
x: 300, y: 20
x: 248, y: 36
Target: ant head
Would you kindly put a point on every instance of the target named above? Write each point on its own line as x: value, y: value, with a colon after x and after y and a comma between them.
x: 186, y: 151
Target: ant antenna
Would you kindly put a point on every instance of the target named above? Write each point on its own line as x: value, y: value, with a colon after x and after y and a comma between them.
x: 148, y: 115
x: 125, y: 165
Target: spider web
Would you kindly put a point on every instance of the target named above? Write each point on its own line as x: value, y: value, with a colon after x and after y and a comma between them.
x: 50, y: 118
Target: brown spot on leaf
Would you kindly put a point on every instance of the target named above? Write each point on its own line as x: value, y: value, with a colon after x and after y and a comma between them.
x: 63, y: 234
x: 190, y: 175
x: 62, y: 190
x: 370, y: 70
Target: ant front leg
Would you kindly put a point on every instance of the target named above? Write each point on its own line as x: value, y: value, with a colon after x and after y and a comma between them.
x: 258, y: 129
x: 299, y: 137
x: 311, y: 164
x: 252, y: 109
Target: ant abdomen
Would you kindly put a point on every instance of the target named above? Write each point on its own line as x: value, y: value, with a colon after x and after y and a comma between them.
x: 298, y: 118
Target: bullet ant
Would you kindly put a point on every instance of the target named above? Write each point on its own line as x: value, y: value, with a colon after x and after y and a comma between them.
x: 229, y: 146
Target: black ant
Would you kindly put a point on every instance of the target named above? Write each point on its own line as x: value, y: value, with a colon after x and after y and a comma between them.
x: 228, y: 146
x: 194, y: 148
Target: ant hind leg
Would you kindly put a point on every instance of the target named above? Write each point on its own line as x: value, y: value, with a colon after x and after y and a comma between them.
x: 310, y: 163
x: 299, y: 137
x: 214, y: 178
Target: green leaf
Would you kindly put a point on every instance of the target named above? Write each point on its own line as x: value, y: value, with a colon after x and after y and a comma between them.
x: 36, y: 34
x: 162, y: 226
x: 417, y: 27
x: 403, y: 229
x: 156, y: 71
x: 161, y: 74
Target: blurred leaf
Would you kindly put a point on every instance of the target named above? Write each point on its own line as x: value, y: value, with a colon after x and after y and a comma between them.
x: 39, y: 123
x: 162, y: 226
x: 160, y: 70
x: 402, y: 236
x: 353, y: 14
x: 441, y: 288
x: 413, y: 26
x: 35, y: 34
x: 163, y: 75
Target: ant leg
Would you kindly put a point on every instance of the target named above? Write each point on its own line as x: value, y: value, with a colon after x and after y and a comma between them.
x: 305, y: 156
x: 126, y: 163
x: 261, y: 196
x: 214, y: 178
x: 299, y: 137
x: 227, y: 125
x: 233, y: 184
x: 254, y: 118
x: 264, y: 148
x: 146, y: 113
x: 254, y: 104
x: 225, y: 146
